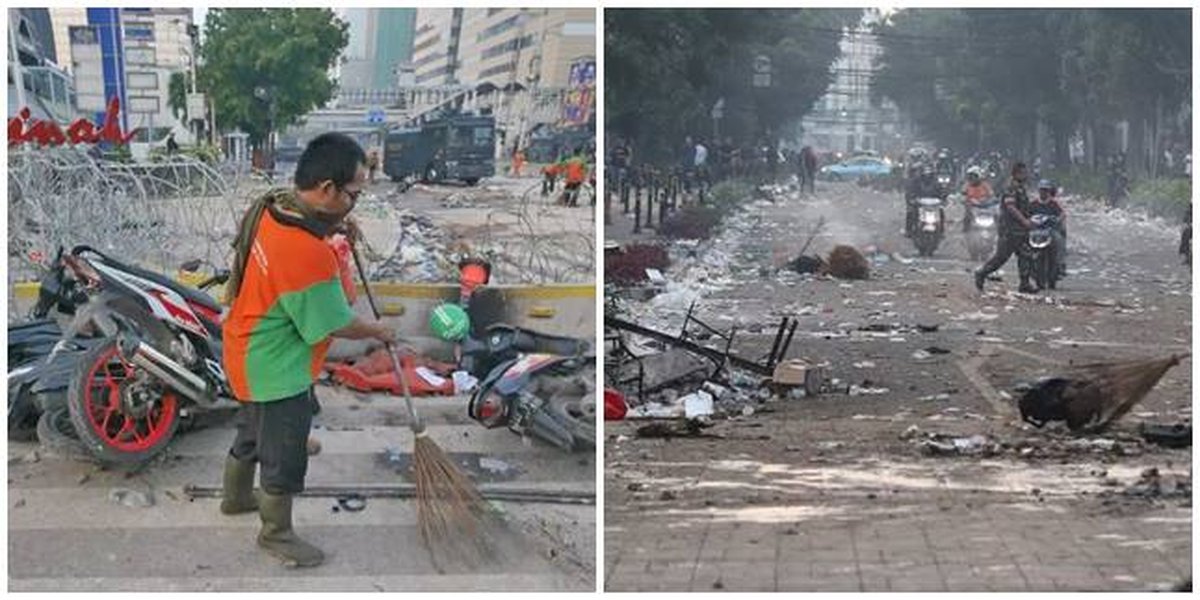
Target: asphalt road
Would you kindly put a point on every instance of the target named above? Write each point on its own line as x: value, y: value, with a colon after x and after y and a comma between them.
x: 835, y: 492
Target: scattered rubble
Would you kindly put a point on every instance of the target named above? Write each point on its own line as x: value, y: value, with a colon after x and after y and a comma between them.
x: 131, y: 498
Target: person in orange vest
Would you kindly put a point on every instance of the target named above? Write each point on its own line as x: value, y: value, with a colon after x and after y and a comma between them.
x: 576, y: 171
x: 287, y: 301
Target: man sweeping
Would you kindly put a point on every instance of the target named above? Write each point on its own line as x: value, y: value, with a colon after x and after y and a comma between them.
x: 287, y: 304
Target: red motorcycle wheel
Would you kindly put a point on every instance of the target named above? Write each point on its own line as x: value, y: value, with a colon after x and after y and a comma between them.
x: 111, y: 430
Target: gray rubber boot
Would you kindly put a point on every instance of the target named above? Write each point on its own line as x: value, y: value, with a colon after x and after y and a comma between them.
x: 237, y: 497
x: 277, y: 536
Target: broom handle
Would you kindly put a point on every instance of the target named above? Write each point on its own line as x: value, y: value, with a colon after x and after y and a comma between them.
x: 415, y: 422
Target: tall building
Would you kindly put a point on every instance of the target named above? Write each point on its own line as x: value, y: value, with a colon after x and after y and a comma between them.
x: 130, y: 54
x: 435, y: 45
x: 61, y: 20
x: 43, y: 87
x: 844, y: 120
x: 501, y: 46
x: 527, y: 46
x: 381, y: 44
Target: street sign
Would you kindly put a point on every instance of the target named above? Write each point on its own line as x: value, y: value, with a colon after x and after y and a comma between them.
x: 195, y: 107
x: 376, y: 116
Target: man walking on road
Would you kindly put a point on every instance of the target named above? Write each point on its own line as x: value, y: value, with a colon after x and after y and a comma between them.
x: 1014, y: 222
x: 287, y: 304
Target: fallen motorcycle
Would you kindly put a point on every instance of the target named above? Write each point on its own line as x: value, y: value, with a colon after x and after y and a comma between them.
x: 533, y: 383
x: 40, y: 360
x: 153, y: 359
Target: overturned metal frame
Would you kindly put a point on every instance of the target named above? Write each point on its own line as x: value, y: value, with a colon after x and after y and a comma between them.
x: 721, y: 358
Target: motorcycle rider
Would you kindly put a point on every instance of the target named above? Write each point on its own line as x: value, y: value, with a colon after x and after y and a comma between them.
x: 975, y: 191
x: 287, y: 301
x: 1047, y: 203
x: 924, y: 185
x: 1014, y: 222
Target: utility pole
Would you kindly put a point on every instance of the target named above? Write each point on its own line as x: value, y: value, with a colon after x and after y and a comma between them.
x: 15, y: 65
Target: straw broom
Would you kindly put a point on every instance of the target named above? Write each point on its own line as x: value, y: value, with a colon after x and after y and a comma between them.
x: 454, y: 519
x: 1093, y: 396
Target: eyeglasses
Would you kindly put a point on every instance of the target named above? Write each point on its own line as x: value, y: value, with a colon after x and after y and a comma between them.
x: 354, y: 194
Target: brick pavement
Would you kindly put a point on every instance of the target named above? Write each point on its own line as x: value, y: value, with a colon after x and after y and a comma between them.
x: 1007, y: 547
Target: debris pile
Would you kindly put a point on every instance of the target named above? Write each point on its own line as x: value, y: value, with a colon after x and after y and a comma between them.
x: 422, y: 254
x: 845, y: 262
x: 629, y: 266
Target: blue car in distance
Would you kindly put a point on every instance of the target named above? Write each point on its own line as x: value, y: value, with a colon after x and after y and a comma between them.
x: 858, y: 167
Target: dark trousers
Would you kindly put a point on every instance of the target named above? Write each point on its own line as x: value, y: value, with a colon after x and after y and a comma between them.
x: 1006, y: 246
x: 275, y: 435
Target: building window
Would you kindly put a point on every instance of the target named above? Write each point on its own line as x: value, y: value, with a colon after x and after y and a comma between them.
x: 506, y: 47
x: 427, y: 43
x: 140, y: 56
x: 143, y: 81
x: 139, y: 33
x: 498, y: 28
x: 143, y: 104
x: 496, y: 70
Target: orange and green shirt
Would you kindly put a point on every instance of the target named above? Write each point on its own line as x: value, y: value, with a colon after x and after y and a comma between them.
x: 576, y: 169
x: 277, y: 332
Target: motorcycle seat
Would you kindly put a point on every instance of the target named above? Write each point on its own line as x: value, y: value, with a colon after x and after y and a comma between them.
x: 190, y: 294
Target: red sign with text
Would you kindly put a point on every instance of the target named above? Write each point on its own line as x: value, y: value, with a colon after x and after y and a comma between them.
x: 22, y: 129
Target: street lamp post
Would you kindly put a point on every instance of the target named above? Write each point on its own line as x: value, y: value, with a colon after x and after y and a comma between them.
x: 267, y: 95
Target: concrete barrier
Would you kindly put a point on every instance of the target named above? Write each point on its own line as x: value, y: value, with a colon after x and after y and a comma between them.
x: 559, y: 309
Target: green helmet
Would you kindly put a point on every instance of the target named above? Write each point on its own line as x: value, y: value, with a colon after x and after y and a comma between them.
x: 449, y: 322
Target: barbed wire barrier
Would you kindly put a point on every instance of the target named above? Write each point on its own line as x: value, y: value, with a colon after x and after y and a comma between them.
x: 529, y: 241
x: 156, y: 215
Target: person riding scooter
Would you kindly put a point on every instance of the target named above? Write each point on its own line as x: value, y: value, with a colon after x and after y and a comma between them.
x: 924, y: 185
x: 1046, y: 203
x: 975, y: 192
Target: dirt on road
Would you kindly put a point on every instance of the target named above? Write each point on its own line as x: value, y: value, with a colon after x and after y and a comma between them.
x: 922, y: 477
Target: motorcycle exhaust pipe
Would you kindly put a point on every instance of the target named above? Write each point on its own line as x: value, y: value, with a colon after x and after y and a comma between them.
x: 163, y: 367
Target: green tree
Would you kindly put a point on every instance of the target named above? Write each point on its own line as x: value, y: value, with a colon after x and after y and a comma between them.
x: 666, y: 68
x: 265, y: 68
x: 177, y: 95
x: 986, y: 78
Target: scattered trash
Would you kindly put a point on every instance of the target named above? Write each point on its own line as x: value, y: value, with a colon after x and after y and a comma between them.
x: 654, y: 410
x: 866, y: 364
x: 1153, y: 484
x: 615, y: 407
x: 131, y: 498
x: 1178, y: 435
x: 807, y: 265
x: 464, y: 382
x: 857, y: 390
x: 699, y: 404
x: 351, y: 503
x: 684, y: 429
x: 938, y: 445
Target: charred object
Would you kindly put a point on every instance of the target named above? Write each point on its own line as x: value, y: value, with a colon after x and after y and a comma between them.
x: 1092, y: 397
